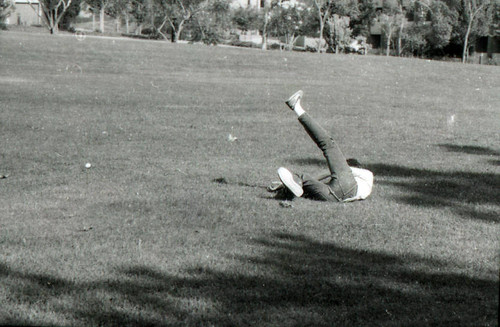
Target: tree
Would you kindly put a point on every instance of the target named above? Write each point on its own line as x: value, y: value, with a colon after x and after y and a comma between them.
x: 6, y: 8
x: 431, y: 30
x: 388, y: 24
x: 139, y: 11
x: 288, y: 21
x: 392, y: 20
x: 70, y: 15
x: 415, y: 39
x: 52, y: 12
x: 401, y: 14
x: 125, y: 11
x: 250, y: 18
x: 366, y: 14
x: 212, y: 21
x: 323, y: 9
x: 473, y: 19
x: 441, y: 25
x: 176, y: 13
x: 347, y: 9
x: 263, y: 19
x: 119, y: 9
x: 101, y: 6
x: 339, y: 32
x: 473, y: 9
x: 246, y: 19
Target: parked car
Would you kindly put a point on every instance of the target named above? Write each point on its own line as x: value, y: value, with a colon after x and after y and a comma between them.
x: 357, y: 45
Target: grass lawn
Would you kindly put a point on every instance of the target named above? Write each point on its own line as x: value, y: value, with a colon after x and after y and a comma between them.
x: 172, y: 224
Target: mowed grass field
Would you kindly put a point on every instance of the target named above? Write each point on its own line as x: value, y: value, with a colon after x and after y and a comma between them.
x: 172, y: 224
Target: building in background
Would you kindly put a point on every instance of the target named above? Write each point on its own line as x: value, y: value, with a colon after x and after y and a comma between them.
x: 26, y: 12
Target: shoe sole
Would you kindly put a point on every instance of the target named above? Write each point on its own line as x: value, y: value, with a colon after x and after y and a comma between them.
x: 286, y: 178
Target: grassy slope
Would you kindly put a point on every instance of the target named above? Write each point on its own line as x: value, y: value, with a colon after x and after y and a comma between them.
x: 147, y: 237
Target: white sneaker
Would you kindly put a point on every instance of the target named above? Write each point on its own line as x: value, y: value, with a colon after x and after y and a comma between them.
x: 292, y: 101
x: 287, y: 179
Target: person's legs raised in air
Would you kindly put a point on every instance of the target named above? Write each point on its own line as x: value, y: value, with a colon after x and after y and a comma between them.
x: 342, y: 184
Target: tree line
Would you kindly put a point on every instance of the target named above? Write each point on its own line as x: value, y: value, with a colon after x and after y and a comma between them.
x: 422, y: 28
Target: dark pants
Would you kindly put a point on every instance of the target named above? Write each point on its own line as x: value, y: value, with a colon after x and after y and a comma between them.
x: 340, y: 184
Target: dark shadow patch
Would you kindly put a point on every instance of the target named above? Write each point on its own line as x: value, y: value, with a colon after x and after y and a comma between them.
x: 250, y: 185
x: 226, y: 181
x: 484, y: 215
x: 220, y: 180
x: 494, y: 162
x: 457, y: 189
x: 470, y: 149
x: 293, y: 281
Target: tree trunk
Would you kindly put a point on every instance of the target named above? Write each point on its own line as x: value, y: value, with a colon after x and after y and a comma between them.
x: 264, y: 32
x: 178, y: 32
x: 321, y: 29
x: 52, y: 24
x: 101, y: 19
x: 158, y: 30
x: 401, y: 27
x: 291, y: 42
x: 264, y: 41
x: 127, y: 25
x: 162, y: 35
x: 465, y: 54
x: 203, y: 38
x: 177, y: 36
x: 388, y: 44
x: 400, y: 46
x: 51, y: 17
x: 55, y: 29
x: 93, y: 21
x: 322, y: 21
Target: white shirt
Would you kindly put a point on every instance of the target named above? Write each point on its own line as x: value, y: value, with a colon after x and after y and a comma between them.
x: 364, y: 178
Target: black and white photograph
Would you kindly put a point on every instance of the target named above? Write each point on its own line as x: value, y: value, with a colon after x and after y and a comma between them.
x: 241, y: 163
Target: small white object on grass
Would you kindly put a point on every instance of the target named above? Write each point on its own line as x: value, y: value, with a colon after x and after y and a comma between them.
x: 451, y: 120
x: 231, y: 138
x: 88, y: 165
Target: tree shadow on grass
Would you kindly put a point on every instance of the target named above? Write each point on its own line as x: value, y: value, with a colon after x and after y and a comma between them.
x: 295, y: 281
x: 473, y: 195
x: 470, y: 149
x: 474, y: 149
x: 494, y: 162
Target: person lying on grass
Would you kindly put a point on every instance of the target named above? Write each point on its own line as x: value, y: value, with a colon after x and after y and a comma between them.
x: 346, y: 182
